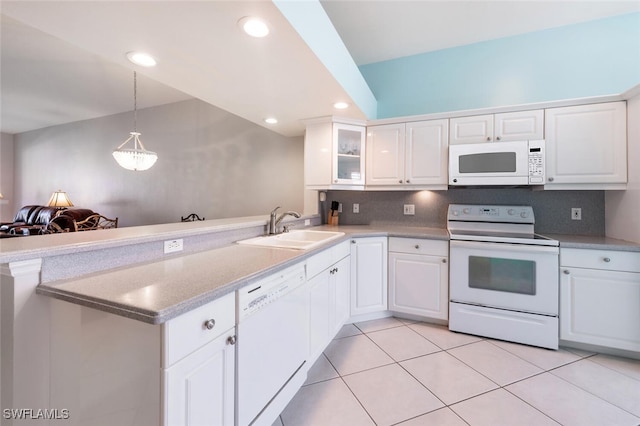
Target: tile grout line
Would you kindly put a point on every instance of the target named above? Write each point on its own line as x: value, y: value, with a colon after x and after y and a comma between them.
x: 481, y: 339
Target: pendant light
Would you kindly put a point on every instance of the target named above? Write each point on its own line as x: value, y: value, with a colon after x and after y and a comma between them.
x: 138, y: 158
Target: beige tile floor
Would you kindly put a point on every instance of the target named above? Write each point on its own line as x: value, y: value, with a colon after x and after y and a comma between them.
x: 397, y: 372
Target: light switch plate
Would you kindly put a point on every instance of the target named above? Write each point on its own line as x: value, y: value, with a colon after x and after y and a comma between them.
x: 356, y: 208
x: 409, y: 209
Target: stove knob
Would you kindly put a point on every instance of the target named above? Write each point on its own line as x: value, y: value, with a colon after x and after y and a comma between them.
x: 466, y: 211
x: 511, y: 212
x: 455, y: 212
x: 524, y: 215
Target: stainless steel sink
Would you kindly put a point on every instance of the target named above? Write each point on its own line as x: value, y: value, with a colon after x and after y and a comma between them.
x: 299, y: 239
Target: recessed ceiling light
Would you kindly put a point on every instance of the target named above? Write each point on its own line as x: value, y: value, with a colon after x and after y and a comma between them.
x: 271, y: 120
x: 253, y: 26
x: 341, y: 105
x: 141, y: 58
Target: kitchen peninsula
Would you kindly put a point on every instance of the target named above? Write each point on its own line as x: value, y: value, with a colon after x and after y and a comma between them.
x: 122, y: 288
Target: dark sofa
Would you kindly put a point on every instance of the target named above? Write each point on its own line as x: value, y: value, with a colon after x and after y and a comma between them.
x: 33, y: 220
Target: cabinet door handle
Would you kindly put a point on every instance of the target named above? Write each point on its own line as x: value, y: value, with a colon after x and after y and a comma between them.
x: 400, y: 181
x: 498, y: 138
x: 209, y: 324
x: 607, y: 259
x: 488, y: 138
x: 444, y: 260
x: 353, y: 241
x: 231, y: 340
x: 408, y: 181
x: 551, y: 179
x: 566, y: 272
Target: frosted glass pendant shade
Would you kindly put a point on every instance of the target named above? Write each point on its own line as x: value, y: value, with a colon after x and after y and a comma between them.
x: 138, y: 158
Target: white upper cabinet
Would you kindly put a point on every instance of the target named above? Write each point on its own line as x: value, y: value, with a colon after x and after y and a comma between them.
x: 519, y: 126
x: 586, y: 146
x: 505, y: 127
x: 427, y: 153
x: 408, y: 155
x: 385, y: 162
x: 348, y: 161
x: 334, y: 155
x: 476, y: 129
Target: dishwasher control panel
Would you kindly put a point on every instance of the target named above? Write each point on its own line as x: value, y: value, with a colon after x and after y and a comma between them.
x: 263, y: 292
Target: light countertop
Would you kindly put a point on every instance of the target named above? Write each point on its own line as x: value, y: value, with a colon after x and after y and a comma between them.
x: 594, y: 242
x: 157, y: 291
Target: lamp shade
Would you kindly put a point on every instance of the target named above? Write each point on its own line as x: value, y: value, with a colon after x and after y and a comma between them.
x: 59, y: 199
x: 138, y: 158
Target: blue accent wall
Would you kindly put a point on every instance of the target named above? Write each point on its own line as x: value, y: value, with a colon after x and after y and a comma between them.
x: 589, y: 59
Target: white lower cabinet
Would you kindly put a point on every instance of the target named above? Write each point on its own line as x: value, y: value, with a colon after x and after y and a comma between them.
x: 199, y: 390
x: 368, y: 275
x: 328, y: 297
x: 419, y: 277
x: 199, y: 365
x: 600, y: 298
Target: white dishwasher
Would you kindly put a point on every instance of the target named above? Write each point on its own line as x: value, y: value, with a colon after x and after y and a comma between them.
x: 272, y: 345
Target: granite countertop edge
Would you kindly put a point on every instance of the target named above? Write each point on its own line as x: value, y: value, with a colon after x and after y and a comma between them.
x: 56, y: 289
x: 592, y: 242
x: 179, y: 306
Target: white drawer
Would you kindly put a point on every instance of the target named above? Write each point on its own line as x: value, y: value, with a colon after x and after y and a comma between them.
x: 609, y: 260
x: 323, y: 260
x: 188, y: 332
x: 419, y: 246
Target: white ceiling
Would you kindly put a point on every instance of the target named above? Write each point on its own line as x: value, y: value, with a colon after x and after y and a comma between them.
x: 64, y: 61
x: 375, y: 31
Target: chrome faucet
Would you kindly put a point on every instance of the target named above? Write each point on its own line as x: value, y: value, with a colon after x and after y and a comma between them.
x: 273, y: 222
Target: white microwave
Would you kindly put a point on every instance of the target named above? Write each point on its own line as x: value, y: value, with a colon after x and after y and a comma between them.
x: 497, y: 163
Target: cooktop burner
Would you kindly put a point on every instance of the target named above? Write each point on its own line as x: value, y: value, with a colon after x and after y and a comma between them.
x: 502, y: 224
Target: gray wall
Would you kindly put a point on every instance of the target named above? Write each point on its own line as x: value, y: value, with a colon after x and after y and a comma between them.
x: 552, y: 209
x: 6, y: 177
x: 210, y: 162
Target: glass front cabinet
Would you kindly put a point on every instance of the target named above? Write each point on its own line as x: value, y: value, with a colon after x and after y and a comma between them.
x: 348, y: 161
x: 334, y: 154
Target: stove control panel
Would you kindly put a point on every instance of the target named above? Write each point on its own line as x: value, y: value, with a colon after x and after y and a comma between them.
x: 482, y: 213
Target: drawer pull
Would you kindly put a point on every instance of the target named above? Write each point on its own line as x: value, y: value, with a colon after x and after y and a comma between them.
x: 566, y: 272
x: 209, y: 324
x: 231, y: 340
x: 607, y: 259
x: 417, y: 246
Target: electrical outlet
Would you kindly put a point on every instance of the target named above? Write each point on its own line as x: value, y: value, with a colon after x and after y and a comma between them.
x: 172, y: 246
x: 356, y: 208
x: 307, y: 222
x: 576, y: 213
x: 339, y: 207
x: 409, y: 209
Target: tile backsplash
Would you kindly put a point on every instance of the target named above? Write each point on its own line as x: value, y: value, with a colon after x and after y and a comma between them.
x: 552, y: 209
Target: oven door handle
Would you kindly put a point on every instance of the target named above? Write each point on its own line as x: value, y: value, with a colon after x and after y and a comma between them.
x: 521, y: 248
